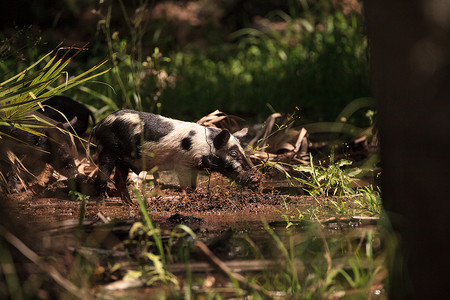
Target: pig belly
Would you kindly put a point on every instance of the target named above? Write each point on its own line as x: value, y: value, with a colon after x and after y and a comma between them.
x: 165, y: 159
x: 161, y: 156
x: 147, y: 162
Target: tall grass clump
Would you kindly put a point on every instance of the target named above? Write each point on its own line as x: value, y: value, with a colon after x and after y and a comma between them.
x: 322, y: 267
x: 138, y: 75
x: 331, y: 180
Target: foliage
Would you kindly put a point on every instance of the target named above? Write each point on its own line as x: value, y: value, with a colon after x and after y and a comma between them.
x: 371, y: 199
x: 320, y: 267
x: 26, y: 91
x: 309, y: 263
x: 150, y: 255
x: 330, y: 180
x: 314, y: 61
x: 140, y: 77
x: 318, y: 62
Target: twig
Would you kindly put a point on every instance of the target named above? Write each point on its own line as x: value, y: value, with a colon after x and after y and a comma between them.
x: 102, y: 217
x: 301, y: 135
x: 222, y: 267
x: 50, y: 270
x: 124, y: 285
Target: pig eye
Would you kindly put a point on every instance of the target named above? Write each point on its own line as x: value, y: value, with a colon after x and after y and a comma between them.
x: 233, y: 153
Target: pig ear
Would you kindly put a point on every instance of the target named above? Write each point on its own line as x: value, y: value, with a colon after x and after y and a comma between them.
x: 221, y: 139
x: 72, y: 122
x: 241, y: 133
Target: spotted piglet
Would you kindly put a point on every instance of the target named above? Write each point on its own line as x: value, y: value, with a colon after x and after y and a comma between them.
x: 140, y: 141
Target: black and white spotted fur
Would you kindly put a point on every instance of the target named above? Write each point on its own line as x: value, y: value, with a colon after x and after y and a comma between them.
x: 140, y: 141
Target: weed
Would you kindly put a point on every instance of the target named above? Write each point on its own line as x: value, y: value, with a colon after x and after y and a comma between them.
x: 292, y: 276
x: 286, y: 218
x: 371, y: 199
x: 330, y: 180
x: 77, y: 196
x: 153, y: 257
x: 26, y: 91
x: 320, y: 267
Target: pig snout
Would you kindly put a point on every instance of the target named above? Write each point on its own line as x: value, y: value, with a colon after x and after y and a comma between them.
x: 229, y: 159
x: 248, y: 178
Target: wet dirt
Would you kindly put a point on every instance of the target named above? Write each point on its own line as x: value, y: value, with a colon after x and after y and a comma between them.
x: 217, y: 202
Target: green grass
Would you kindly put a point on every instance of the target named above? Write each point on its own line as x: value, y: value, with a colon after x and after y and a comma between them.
x: 320, y: 72
x: 334, y: 179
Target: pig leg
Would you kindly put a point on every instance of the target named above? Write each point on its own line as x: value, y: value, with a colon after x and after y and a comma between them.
x: 12, y: 183
x: 194, y: 175
x: 156, y: 179
x: 106, y: 165
x: 188, y: 179
x: 120, y: 180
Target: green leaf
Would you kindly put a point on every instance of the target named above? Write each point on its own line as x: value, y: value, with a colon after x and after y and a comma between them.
x: 132, y: 275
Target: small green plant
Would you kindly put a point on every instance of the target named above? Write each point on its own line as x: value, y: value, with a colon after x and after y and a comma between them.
x: 339, y: 205
x: 77, y: 196
x: 301, y: 215
x: 153, y: 257
x: 319, y: 266
x: 370, y: 199
x: 286, y: 218
x: 362, y: 268
x: 331, y: 180
x: 292, y: 280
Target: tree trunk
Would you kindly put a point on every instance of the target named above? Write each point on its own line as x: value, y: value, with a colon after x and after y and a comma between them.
x: 410, y: 57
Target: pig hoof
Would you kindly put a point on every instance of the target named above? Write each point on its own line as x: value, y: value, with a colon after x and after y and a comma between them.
x: 126, y: 199
x: 187, y: 190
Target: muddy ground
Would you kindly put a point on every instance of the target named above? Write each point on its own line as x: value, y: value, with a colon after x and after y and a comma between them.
x: 217, y: 202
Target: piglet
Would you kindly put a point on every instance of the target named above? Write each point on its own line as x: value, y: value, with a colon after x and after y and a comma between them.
x: 140, y: 141
x: 77, y: 114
